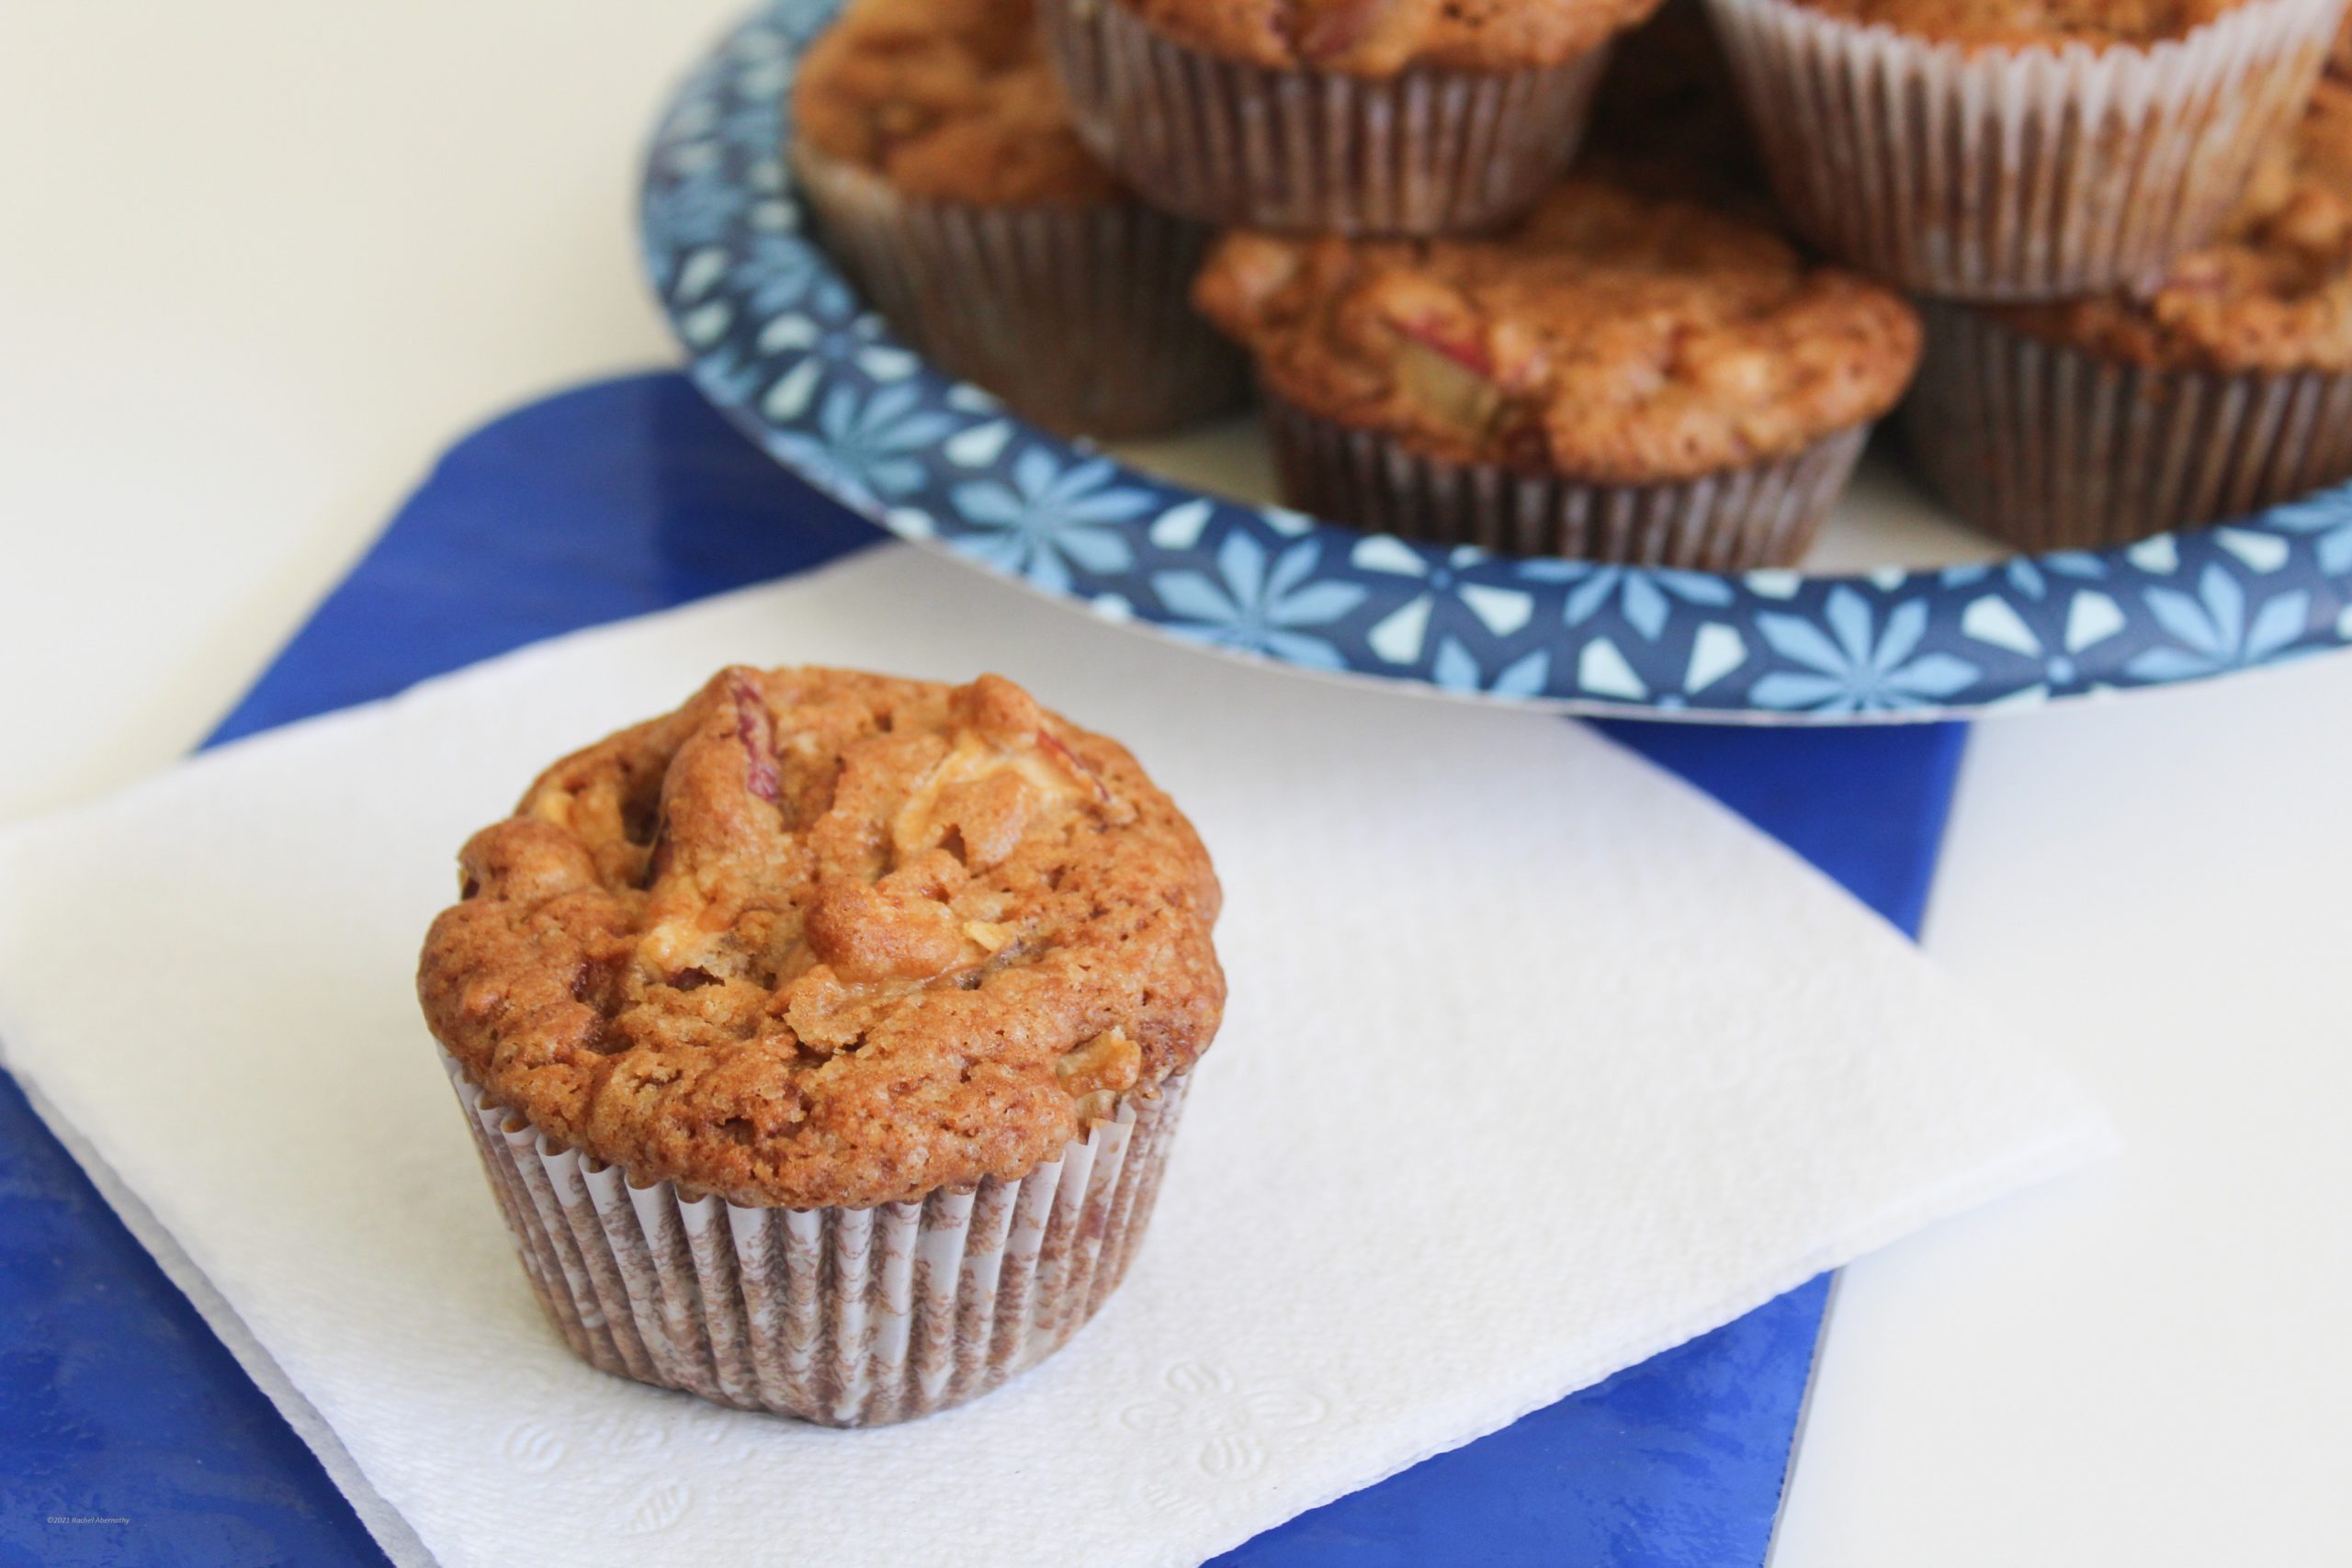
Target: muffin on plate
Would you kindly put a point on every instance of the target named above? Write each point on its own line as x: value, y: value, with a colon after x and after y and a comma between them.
x: 1348, y: 117
x: 2018, y: 149
x: 824, y: 1040
x: 935, y: 147
x: 1622, y: 378
x: 2223, y: 388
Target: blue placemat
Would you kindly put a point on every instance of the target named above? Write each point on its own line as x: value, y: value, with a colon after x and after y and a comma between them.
x: 118, y: 1407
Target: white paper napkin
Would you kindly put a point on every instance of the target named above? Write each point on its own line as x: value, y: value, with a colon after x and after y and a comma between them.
x: 1537, y: 1063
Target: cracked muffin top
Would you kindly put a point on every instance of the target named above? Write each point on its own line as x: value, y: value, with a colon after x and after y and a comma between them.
x: 1381, y: 37
x: 821, y: 938
x: 1612, y: 337
x: 948, y: 100
x: 2274, y: 293
x: 2017, y: 24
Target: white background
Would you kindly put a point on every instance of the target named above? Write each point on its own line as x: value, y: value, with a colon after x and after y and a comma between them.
x: 261, y: 260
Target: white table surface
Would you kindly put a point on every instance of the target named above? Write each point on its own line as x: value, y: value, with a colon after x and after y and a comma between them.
x: 261, y: 260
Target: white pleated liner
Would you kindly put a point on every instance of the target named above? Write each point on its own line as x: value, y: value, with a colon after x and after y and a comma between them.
x: 1732, y: 521
x: 849, y: 1317
x: 1079, y: 317
x: 2051, y: 447
x: 2016, y: 174
x: 1427, y: 151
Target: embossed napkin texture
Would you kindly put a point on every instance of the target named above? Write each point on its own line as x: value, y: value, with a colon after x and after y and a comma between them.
x: 1537, y: 1064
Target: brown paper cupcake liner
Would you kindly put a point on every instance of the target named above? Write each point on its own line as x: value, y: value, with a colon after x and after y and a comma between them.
x: 849, y: 1317
x: 1425, y: 151
x: 2014, y: 174
x: 1079, y: 317
x: 2050, y: 448
x: 1732, y: 521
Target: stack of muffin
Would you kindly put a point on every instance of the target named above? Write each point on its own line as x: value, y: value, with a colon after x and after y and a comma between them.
x: 2129, y: 222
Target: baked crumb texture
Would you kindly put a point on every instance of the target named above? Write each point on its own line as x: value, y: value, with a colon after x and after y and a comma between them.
x: 1612, y: 337
x: 2017, y: 24
x: 1380, y: 38
x: 2273, y: 293
x: 825, y: 939
x: 952, y: 100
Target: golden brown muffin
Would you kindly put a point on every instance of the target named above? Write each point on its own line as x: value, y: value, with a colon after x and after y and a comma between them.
x: 2016, y: 24
x: 1618, y: 338
x: 828, y: 938
x: 2273, y: 293
x: 1380, y: 38
x: 947, y: 99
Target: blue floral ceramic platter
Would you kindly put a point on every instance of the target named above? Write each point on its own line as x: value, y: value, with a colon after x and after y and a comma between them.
x: 784, y: 347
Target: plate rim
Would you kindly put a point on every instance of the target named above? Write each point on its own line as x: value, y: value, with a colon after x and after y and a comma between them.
x: 778, y: 341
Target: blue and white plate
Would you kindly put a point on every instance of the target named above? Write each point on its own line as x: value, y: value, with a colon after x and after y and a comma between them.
x: 782, y: 346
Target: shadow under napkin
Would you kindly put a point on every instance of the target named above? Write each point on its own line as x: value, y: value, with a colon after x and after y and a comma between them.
x: 630, y: 496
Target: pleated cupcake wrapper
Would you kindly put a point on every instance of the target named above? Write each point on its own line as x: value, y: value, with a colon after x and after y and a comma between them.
x: 1079, y: 317
x: 1766, y: 514
x: 1425, y: 151
x: 2050, y: 448
x: 849, y: 1317
x: 2016, y: 175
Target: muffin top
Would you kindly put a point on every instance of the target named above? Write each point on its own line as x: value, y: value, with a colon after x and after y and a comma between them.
x: 2017, y: 24
x: 2273, y: 293
x: 1380, y: 38
x: 821, y: 938
x: 949, y: 100
x: 1612, y: 337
